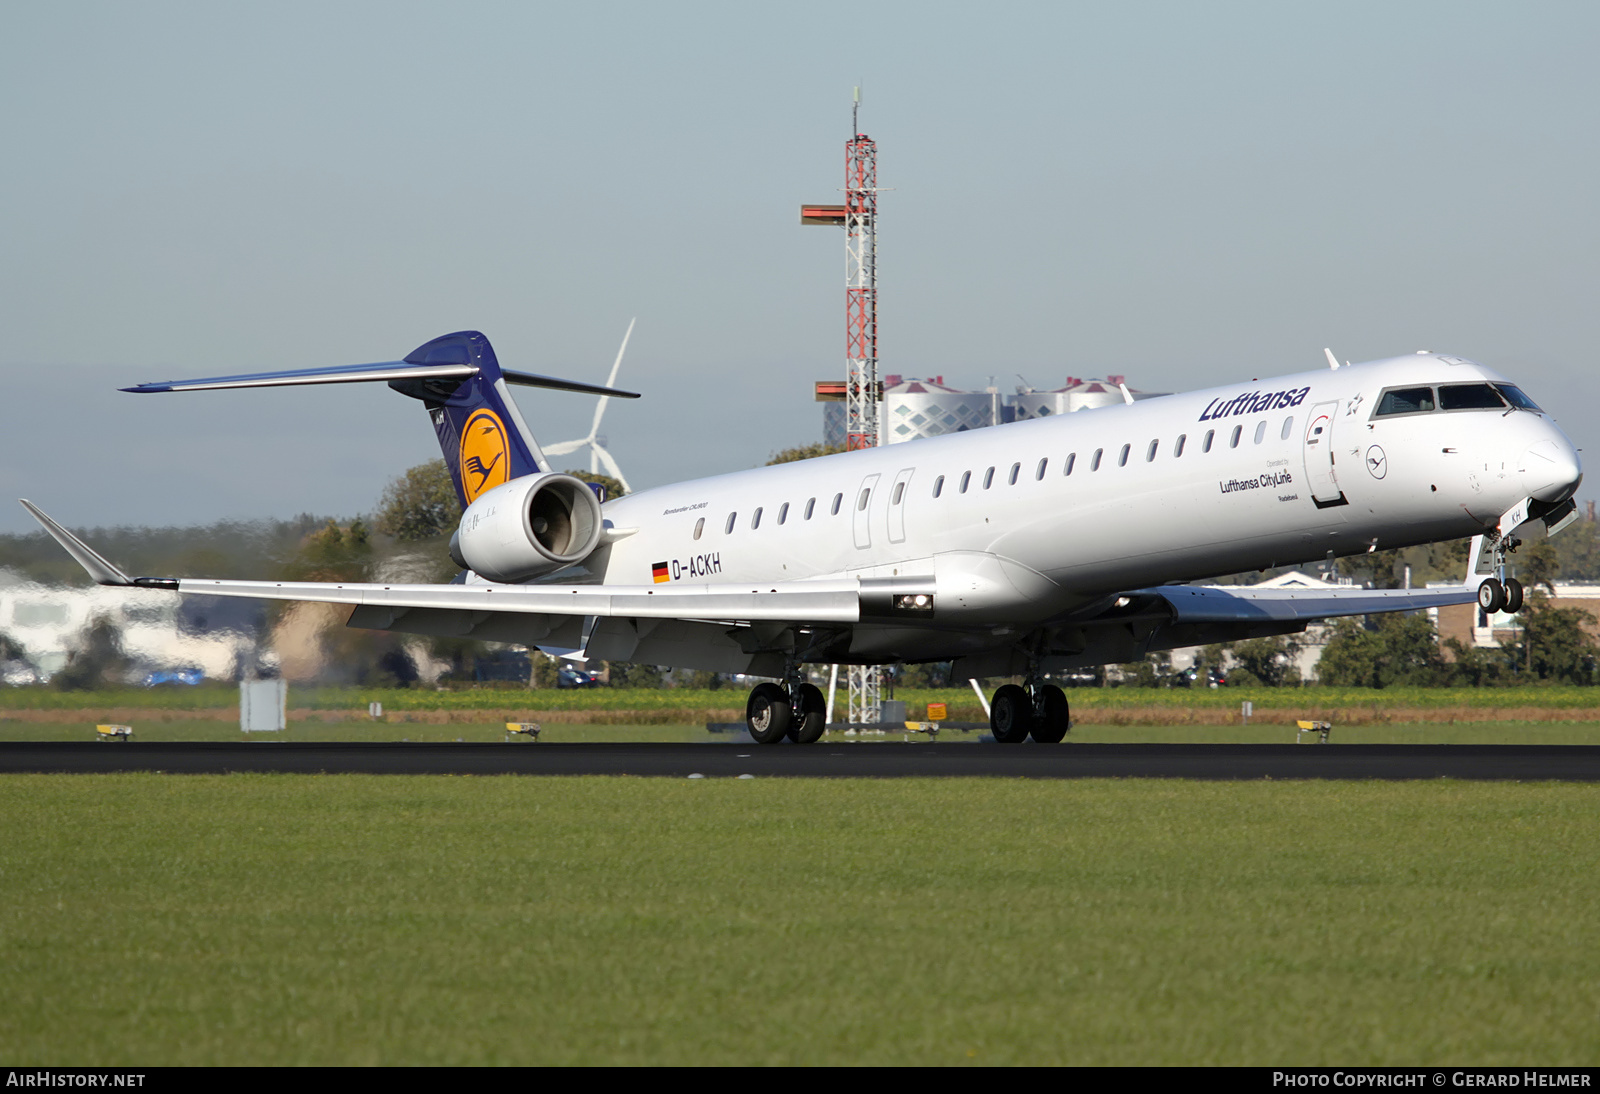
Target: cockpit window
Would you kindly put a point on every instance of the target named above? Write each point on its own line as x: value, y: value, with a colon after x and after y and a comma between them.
x: 1405, y: 400
x: 1469, y: 397
x: 1516, y: 398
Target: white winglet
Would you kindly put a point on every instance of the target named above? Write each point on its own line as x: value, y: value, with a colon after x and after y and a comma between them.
x: 103, y: 572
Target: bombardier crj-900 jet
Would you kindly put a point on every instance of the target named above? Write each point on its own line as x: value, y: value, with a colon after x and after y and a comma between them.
x: 1023, y: 549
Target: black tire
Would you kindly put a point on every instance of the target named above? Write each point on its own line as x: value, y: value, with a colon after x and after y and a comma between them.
x: 811, y: 710
x: 1491, y: 595
x: 767, y: 714
x: 1514, y: 596
x: 1057, y: 719
x: 1011, y: 715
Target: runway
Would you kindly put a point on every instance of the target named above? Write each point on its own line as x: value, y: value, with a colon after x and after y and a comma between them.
x: 1580, y: 763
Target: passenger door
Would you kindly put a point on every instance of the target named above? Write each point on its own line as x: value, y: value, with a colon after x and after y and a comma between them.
x: 1319, y: 457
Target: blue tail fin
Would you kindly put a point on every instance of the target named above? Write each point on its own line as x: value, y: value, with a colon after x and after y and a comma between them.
x: 484, y: 439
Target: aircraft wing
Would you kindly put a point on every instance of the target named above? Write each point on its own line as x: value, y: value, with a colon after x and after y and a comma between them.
x: 826, y: 601
x: 1250, y: 604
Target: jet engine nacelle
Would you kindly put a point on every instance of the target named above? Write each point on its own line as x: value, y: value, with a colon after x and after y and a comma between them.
x: 527, y: 527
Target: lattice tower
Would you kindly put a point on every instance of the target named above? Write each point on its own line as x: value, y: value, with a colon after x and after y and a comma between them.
x: 862, y: 394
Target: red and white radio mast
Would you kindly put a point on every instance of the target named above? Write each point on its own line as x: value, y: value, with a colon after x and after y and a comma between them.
x: 859, y: 218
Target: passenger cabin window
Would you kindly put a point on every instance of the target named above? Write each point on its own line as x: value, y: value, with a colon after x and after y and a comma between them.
x: 899, y: 492
x: 1039, y: 473
x: 811, y: 503
x: 1150, y: 453
x: 1072, y: 458
x: 1470, y: 397
x: 699, y: 526
x: 938, y: 486
x: 1288, y: 428
x: 1405, y: 400
x: 966, y: 479
x: 838, y: 500
x: 755, y: 519
x: 1094, y: 464
x: 1122, y: 460
x: 783, y: 512
x: 1261, y: 430
x: 728, y: 531
x: 1238, y: 431
x: 988, y: 478
x: 1211, y: 435
x: 1012, y: 479
x: 861, y: 503
x: 1177, y: 447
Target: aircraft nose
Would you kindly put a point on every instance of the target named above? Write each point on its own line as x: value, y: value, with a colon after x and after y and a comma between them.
x: 1550, y: 471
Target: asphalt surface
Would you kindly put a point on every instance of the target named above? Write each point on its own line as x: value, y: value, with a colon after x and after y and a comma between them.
x: 875, y: 760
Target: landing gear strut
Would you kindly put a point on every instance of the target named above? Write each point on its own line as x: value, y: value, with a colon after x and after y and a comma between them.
x: 798, y: 711
x: 1036, y: 710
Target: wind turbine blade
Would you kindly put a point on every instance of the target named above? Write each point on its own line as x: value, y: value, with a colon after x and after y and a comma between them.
x: 611, y: 467
x: 564, y: 447
x: 611, y: 381
x: 600, y: 403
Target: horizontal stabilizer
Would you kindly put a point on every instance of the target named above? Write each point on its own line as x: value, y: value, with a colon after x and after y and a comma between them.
x: 348, y: 374
x: 528, y: 379
x: 392, y: 371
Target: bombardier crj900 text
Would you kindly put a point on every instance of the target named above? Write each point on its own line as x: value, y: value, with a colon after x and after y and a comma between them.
x: 1019, y: 550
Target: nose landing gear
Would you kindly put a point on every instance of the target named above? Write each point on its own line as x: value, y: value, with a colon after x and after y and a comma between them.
x: 1506, y: 596
x: 1501, y: 593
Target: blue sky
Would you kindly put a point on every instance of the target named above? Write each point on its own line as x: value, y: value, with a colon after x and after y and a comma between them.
x: 1188, y: 194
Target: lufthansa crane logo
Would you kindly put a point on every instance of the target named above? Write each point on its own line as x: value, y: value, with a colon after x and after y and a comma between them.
x: 1377, y: 462
x: 485, y: 454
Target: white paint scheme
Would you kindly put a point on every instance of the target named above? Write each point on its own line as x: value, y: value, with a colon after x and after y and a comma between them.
x: 1027, y: 565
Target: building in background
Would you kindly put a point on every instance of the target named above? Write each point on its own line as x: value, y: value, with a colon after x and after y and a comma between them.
x: 159, y: 632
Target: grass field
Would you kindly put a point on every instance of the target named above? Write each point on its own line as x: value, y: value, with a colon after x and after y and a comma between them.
x: 614, y: 706
x: 1536, y: 732
x: 346, y: 919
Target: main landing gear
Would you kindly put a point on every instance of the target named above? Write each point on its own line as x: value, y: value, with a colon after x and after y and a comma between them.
x: 1015, y: 715
x: 797, y: 712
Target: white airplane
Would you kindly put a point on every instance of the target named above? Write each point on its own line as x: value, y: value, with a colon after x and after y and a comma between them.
x: 1021, y: 549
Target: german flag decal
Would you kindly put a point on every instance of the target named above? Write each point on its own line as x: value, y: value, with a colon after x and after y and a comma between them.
x: 659, y: 572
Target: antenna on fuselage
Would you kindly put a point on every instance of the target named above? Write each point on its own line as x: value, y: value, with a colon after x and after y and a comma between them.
x: 1333, y: 362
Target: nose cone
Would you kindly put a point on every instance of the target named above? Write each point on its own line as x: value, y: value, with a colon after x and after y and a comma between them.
x: 1550, y: 470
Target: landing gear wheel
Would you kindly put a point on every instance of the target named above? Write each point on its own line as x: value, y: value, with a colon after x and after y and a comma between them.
x: 1491, y: 595
x: 809, y: 714
x: 1056, y: 719
x: 767, y: 714
x: 1011, y: 715
x: 1514, y: 596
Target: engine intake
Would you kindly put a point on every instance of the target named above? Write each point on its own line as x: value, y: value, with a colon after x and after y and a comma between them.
x: 527, y: 527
